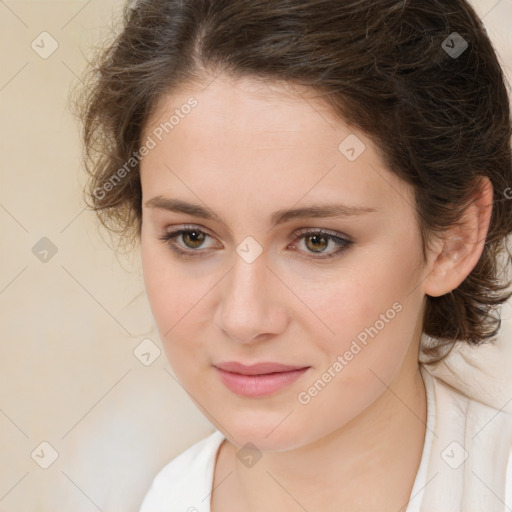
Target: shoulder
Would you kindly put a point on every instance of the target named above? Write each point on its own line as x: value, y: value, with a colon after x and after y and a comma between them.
x: 455, y: 404
x: 471, y: 444
x: 185, y: 483
x: 463, y: 418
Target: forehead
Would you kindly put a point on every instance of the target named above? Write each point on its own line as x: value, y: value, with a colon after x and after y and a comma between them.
x: 247, y: 135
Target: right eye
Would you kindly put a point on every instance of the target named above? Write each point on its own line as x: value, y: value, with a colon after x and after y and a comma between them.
x: 192, y: 239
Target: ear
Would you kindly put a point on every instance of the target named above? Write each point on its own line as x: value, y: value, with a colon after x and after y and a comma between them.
x: 460, y: 248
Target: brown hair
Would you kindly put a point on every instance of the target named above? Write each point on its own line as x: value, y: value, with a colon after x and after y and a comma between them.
x: 437, y: 110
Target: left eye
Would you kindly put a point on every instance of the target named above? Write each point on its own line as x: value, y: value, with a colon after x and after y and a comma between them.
x: 316, y: 242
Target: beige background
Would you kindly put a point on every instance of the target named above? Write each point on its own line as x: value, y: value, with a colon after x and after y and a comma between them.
x: 68, y: 372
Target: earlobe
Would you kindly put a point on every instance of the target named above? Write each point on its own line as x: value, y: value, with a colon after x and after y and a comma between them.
x: 461, y: 246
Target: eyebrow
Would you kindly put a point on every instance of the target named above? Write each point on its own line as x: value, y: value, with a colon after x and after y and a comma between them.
x: 278, y: 217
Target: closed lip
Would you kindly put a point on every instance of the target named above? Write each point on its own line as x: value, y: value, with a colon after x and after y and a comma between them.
x: 257, y: 369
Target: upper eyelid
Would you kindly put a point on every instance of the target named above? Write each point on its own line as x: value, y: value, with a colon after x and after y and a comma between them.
x: 187, y: 227
x: 296, y: 233
x: 304, y: 231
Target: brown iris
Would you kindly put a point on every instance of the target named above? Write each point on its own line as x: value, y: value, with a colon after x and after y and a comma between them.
x: 197, y: 238
x: 316, y: 238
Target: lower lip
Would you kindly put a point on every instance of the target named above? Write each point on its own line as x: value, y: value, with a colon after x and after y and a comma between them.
x: 259, y: 385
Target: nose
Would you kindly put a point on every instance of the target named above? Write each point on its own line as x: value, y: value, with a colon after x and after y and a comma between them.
x: 251, y: 306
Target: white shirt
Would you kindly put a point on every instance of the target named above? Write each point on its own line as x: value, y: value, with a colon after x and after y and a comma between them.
x: 463, y: 467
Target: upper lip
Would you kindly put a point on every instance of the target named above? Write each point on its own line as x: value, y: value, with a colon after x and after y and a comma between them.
x: 258, y: 368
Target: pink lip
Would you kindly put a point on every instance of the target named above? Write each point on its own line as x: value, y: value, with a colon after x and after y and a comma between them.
x: 259, y: 379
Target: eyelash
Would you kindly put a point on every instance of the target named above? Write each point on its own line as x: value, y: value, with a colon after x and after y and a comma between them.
x: 168, y: 238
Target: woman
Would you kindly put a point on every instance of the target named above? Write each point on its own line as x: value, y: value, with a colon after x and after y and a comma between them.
x: 318, y: 189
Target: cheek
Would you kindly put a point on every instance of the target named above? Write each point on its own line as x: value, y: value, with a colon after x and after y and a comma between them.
x: 372, y: 310
x: 357, y: 296
x: 169, y: 291
x: 176, y: 298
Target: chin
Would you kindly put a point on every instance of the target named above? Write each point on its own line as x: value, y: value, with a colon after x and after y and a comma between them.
x: 264, y: 434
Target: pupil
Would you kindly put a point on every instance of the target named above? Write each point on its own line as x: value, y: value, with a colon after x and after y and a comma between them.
x: 316, y: 238
x: 194, y: 235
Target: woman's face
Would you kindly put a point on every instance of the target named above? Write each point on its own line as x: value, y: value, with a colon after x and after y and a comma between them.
x: 247, y: 283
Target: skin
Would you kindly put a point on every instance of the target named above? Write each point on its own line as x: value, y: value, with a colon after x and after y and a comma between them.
x: 245, y: 151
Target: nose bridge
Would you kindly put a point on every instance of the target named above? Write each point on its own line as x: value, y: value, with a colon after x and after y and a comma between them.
x: 248, y: 307
x: 246, y: 284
